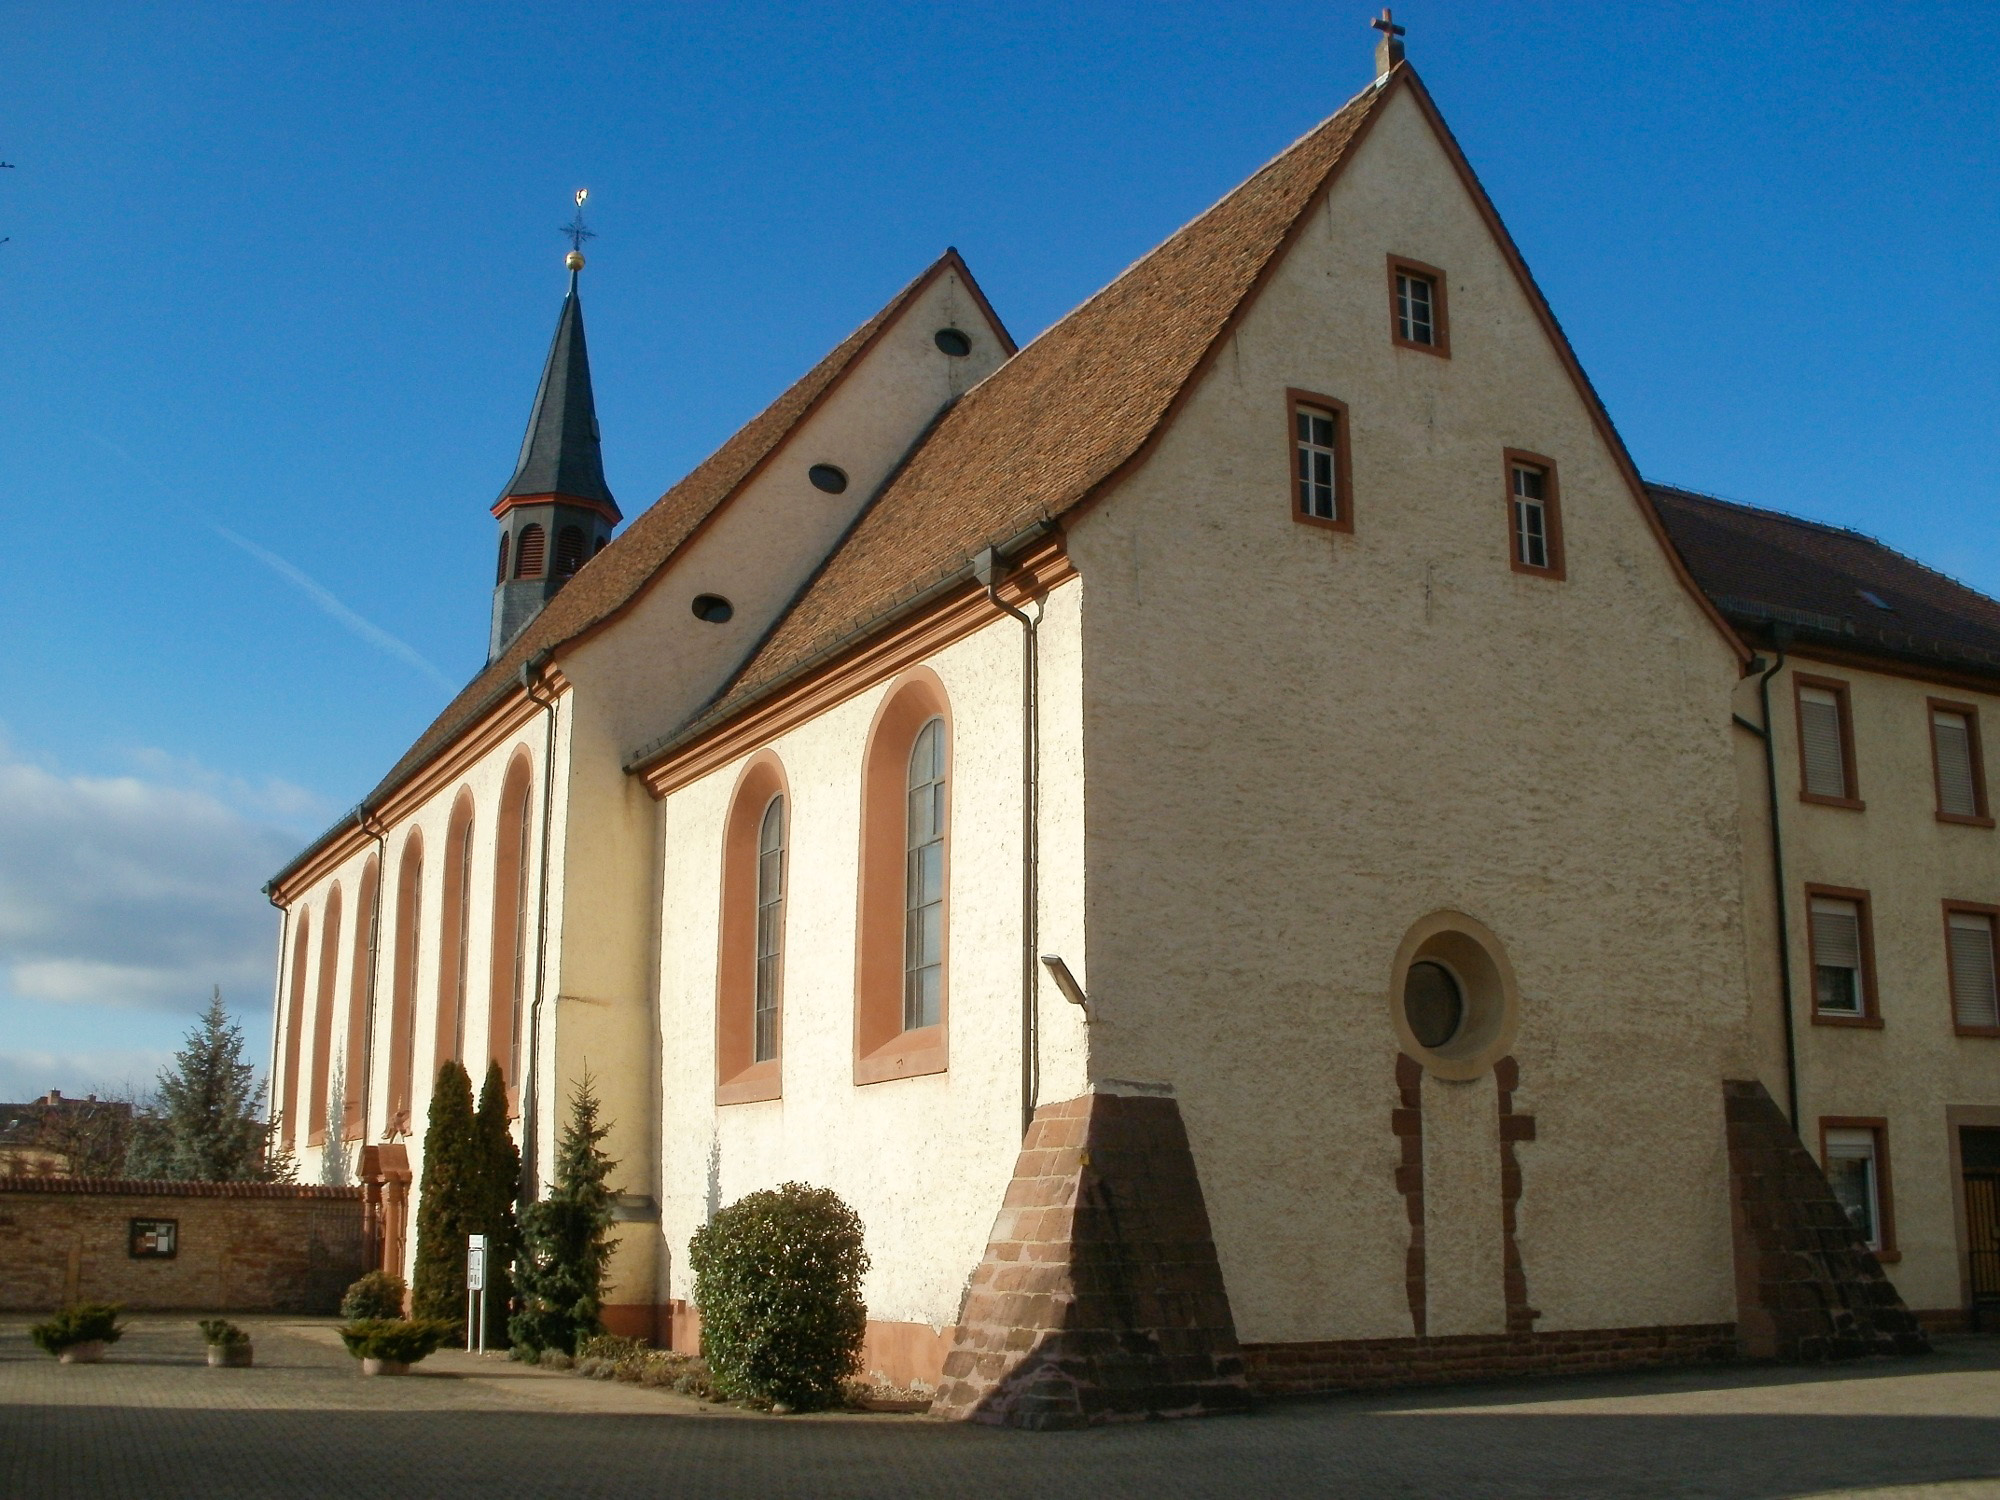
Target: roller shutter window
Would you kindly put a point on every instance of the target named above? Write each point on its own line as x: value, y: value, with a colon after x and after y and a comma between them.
x: 1853, y: 1171
x: 1825, y: 753
x: 1957, y: 786
x: 1836, y: 952
x: 1975, y: 1001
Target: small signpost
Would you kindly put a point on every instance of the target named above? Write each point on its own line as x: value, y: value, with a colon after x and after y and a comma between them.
x: 475, y: 1292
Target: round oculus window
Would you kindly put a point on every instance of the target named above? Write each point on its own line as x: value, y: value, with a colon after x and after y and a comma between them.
x: 713, y: 608
x: 1433, y: 1004
x: 827, y: 477
x: 953, y: 342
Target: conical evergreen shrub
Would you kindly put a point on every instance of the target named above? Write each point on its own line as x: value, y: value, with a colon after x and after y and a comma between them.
x: 445, y: 1201
x: 566, y: 1237
x: 498, y: 1162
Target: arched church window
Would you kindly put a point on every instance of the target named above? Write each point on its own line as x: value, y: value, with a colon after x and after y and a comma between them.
x: 528, y: 558
x: 288, y: 1130
x: 402, y: 1016
x: 569, y: 550
x: 329, y: 964
x: 902, y: 976
x: 507, y: 982
x: 454, y: 934
x: 500, y: 574
x: 749, y: 1016
x: 361, y: 998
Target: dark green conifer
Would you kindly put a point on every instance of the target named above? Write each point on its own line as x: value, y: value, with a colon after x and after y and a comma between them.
x: 566, y: 1237
x: 499, y: 1173
x: 204, y: 1126
x: 445, y: 1201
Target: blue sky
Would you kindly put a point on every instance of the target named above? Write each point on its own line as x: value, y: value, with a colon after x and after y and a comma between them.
x: 280, y: 279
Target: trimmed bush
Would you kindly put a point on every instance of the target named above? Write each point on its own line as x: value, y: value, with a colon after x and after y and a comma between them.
x: 777, y: 1276
x: 401, y: 1340
x: 87, y: 1322
x: 377, y: 1295
x: 222, y: 1332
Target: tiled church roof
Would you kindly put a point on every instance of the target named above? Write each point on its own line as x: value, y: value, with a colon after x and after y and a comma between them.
x: 1762, y: 568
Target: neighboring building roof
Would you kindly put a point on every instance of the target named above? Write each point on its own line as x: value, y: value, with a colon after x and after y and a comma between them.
x: 560, y: 454
x: 1832, y: 586
x: 611, y: 580
x: 1073, y: 408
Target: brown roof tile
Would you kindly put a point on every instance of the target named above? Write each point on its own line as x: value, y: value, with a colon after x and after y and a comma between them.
x: 1050, y: 426
x: 1763, y: 568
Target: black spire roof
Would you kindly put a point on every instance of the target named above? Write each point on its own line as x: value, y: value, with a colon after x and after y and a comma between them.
x: 560, y: 454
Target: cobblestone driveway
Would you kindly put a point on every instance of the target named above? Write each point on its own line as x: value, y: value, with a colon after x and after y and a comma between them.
x: 154, y: 1421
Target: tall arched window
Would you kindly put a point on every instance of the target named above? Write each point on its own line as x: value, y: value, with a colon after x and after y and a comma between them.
x: 329, y: 965
x: 360, y: 993
x: 507, y: 976
x: 750, y: 963
x: 402, y: 1015
x: 569, y: 550
x: 454, y: 934
x: 902, y: 967
x: 528, y: 556
x: 500, y: 573
x: 288, y: 1113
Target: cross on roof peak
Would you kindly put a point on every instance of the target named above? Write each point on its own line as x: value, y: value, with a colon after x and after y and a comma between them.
x: 1388, y: 51
x: 575, y: 232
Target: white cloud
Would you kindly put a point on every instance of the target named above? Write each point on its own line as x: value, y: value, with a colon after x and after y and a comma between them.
x: 130, y: 891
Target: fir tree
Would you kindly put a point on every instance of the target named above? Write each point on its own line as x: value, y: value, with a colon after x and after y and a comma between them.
x: 444, y: 1203
x: 566, y: 1237
x: 499, y: 1177
x: 204, y: 1126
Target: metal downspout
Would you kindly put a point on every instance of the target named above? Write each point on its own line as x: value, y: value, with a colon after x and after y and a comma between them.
x: 1779, y: 637
x: 989, y: 568
x: 531, y: 676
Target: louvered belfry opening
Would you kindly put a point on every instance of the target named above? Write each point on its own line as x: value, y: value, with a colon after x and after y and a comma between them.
x: 569, y: 550
x: 533, y: 550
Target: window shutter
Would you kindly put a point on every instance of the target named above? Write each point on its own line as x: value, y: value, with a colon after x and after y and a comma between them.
x: 1973, y: 996
x: 1836, y: 935
x: 1958, y: 794
x: 1819, y: 728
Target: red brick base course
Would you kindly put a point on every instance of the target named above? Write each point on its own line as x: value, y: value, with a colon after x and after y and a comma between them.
x: 1358, y: 1364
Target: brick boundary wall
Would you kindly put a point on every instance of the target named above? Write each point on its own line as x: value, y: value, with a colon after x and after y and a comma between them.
x: 239, y: 1246
x: 1360, y: 1364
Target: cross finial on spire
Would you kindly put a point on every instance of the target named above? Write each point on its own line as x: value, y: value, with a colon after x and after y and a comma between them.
x: 1388, y: 51
x: 576, y: 233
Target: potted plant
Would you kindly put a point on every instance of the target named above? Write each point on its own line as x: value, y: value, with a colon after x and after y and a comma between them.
x: 78, y: 1335
x: 389, y: 1346
x: 228, y: 1345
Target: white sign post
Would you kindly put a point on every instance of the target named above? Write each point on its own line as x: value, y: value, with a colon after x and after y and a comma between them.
x: 475, y: 1291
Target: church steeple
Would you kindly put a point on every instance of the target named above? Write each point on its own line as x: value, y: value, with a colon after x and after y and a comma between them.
x: 556, y: 512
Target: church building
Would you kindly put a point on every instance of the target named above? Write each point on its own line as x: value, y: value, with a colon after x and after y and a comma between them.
x: 1242, y: 836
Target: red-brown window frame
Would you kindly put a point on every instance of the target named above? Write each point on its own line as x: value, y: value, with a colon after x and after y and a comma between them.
x: 506, y: 971
x: 1871, y: 997
x: 1838, y: 687
x: 738, y: 1078
x: 1992, y: 913
x: 322, y: 1026
x: 288, y: 1129
x: 1440, y: 315
x: 1343, y: 467
x: 454, y: 993
x: 1983, y: 817
x: 1558, y: 568
x: 360, y: 998
x: 883, y: 1050
x: 1885, y: 1182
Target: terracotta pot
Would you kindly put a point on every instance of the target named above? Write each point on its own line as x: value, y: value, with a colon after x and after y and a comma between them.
x: 384, y: 1367
x: 229, y: 1356
x: 89, y: 1352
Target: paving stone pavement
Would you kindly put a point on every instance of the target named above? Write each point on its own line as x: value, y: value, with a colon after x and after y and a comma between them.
x: 154, y: 1421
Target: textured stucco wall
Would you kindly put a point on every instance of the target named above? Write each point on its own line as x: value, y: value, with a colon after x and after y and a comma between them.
x: 1301, y: 743
x: 1913, y: 1069
x: 924, y: 1160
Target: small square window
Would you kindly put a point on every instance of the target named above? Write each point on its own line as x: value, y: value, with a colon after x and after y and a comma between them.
x: 1417, y: 307
x: 1319, y: 461
x: 1534, y: 515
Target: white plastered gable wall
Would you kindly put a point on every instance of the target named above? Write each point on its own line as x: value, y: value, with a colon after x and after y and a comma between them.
x: 1301, y: 743
x: 652, y: 668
